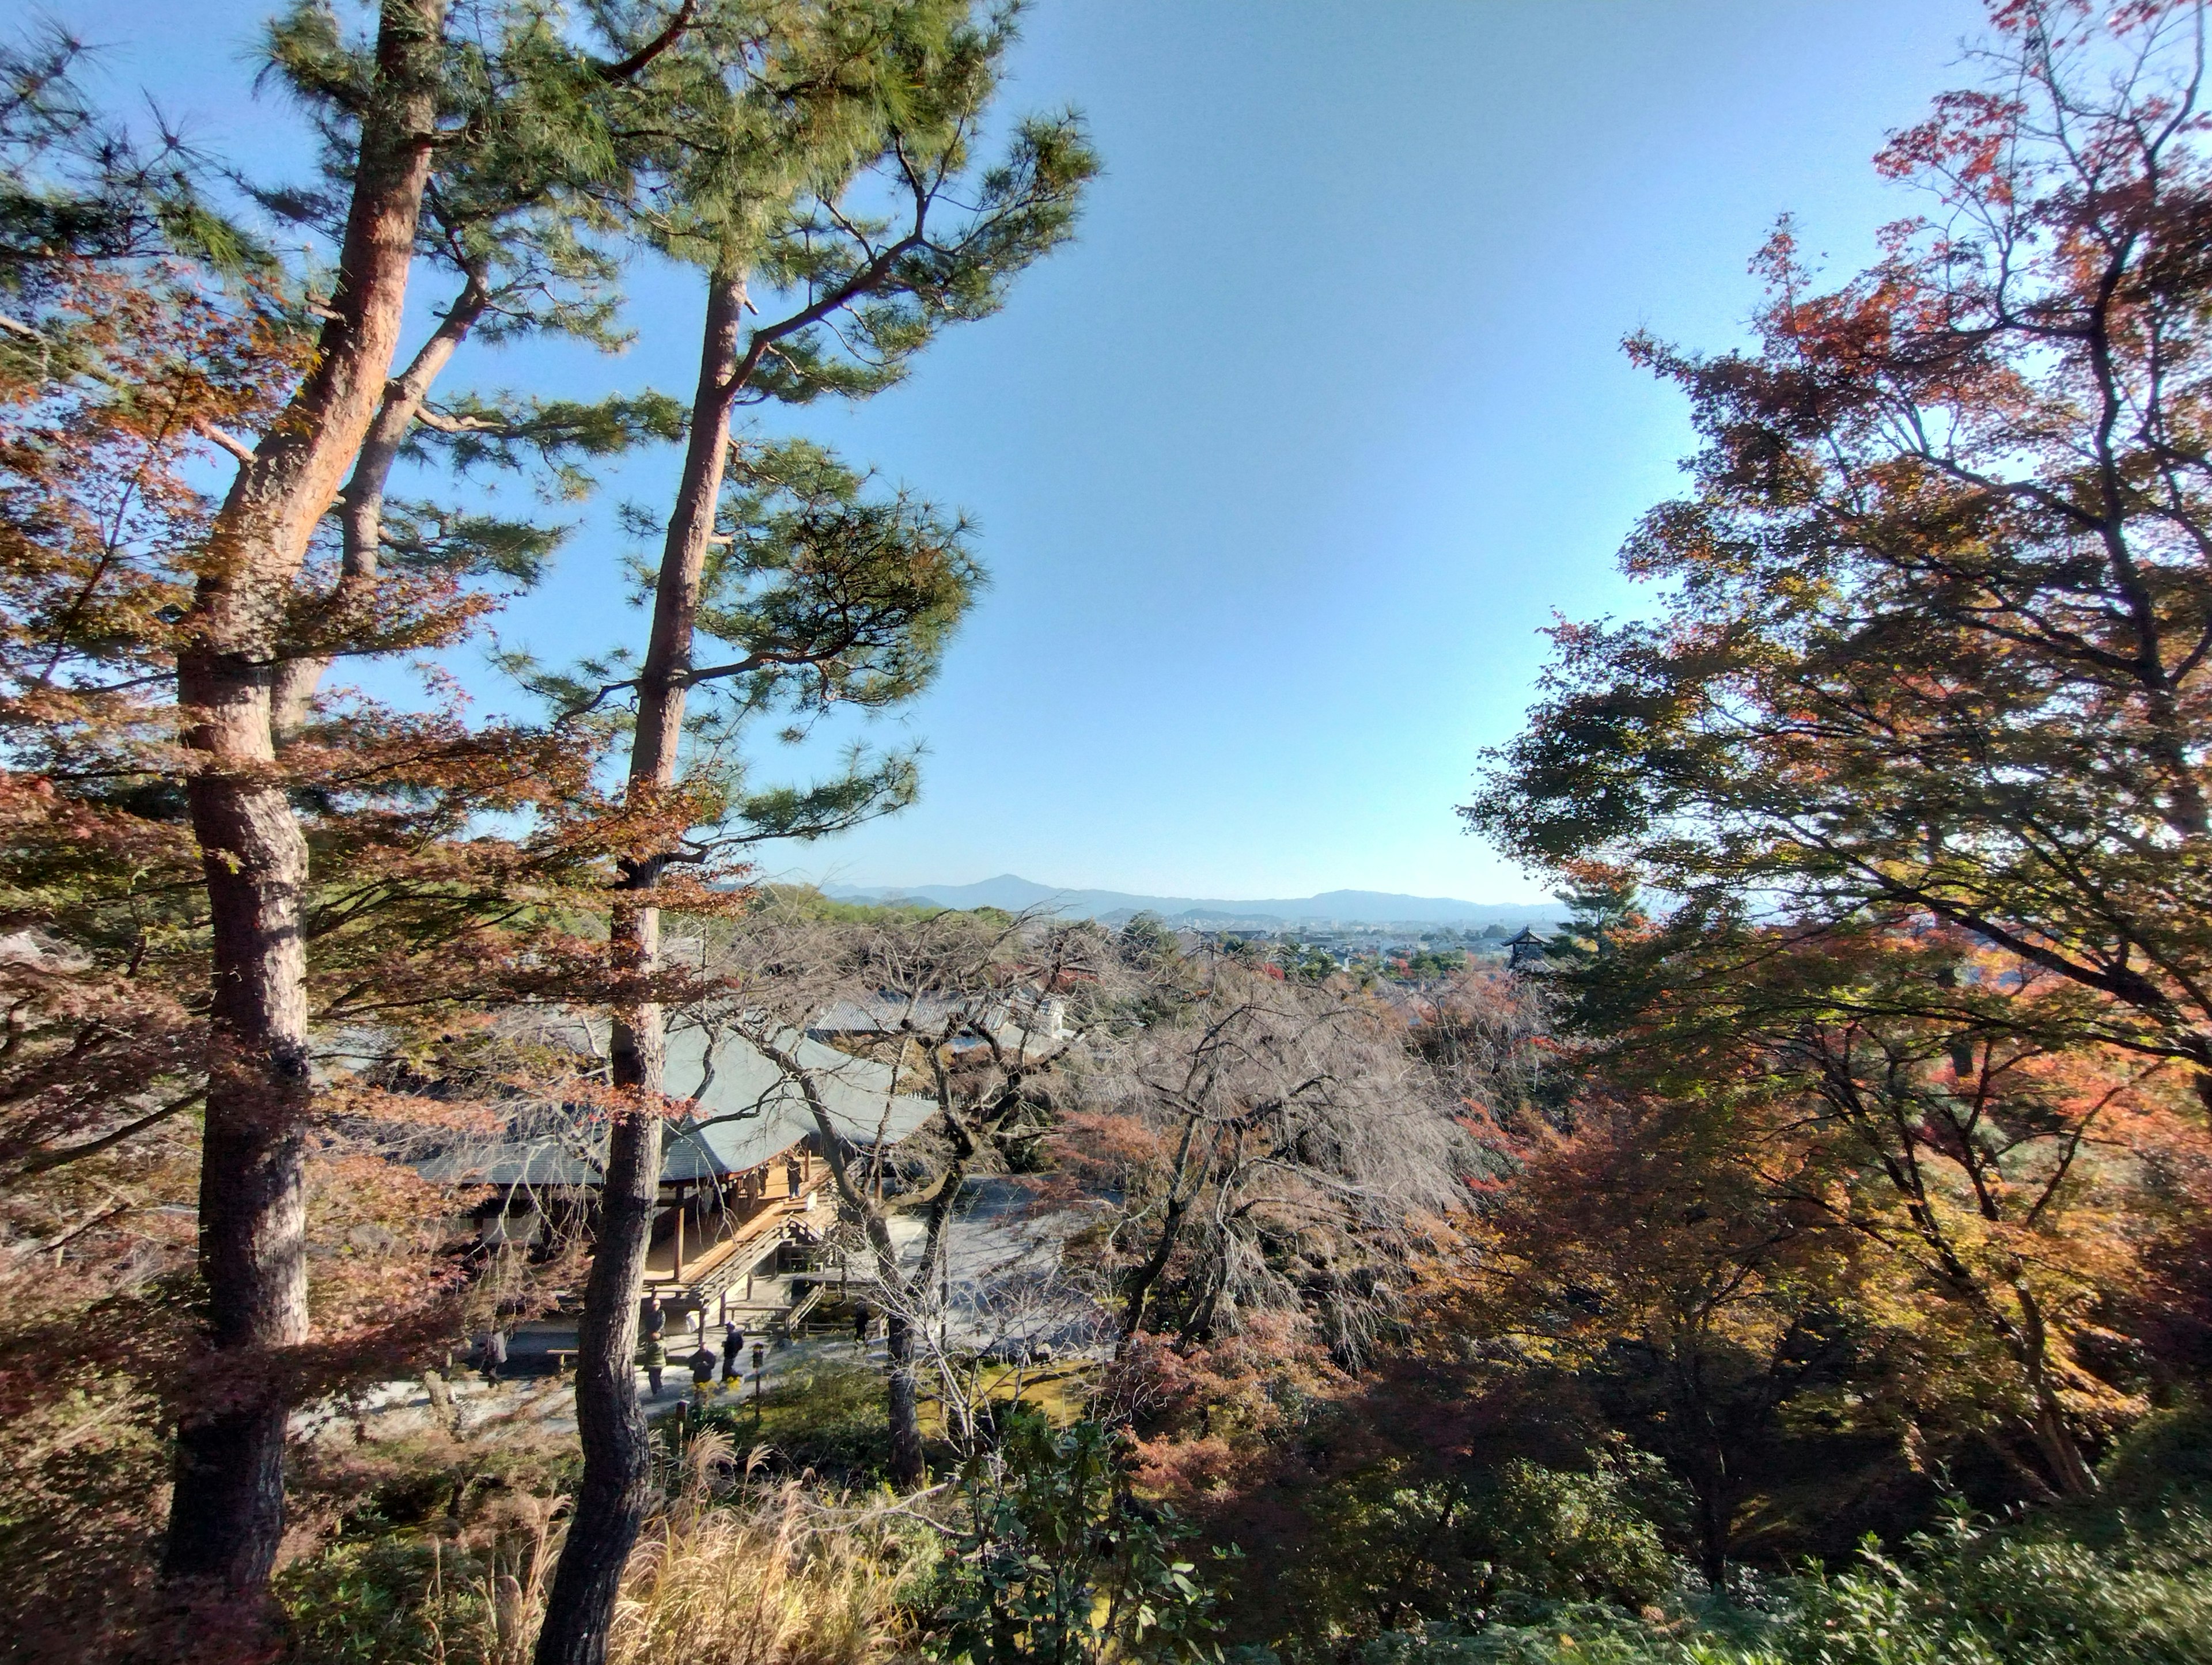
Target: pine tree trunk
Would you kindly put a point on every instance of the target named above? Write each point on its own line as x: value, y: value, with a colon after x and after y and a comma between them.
x: 227, y: 1514
x: 905, y: 1402
x: 611, y: 1502
x: 616, y: 1489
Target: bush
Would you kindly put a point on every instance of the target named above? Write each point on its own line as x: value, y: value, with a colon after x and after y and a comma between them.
x: 825, y: 1418
x: 1968, y: 1595
x: 1389, y: 1547
x: 1056, y: 1562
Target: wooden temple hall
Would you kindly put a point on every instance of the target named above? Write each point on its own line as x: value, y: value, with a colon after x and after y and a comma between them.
x: 745, y: 1191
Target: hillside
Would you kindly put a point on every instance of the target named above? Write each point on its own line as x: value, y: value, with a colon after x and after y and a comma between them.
x: 1016, y: 894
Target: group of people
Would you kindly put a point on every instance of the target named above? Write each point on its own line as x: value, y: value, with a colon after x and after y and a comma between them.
x: 653, y: 1354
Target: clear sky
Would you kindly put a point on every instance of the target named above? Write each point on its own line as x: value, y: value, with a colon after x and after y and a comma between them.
x: 1280, y: 468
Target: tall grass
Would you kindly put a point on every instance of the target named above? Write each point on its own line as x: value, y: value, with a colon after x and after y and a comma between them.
x: 728, y: 1572
x: 769, y: 1581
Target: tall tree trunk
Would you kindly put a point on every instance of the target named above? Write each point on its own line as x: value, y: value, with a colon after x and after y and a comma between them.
x: 905, y: 1401
x: 611, y: 1501
x: 227, y: 1514
x: 361, y: 506
x: 616, y: 1487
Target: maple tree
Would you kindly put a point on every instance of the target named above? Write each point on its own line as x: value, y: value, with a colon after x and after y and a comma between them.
x: 1625, y: 1252
x: 1914, y: 749
x: 1273, y: 1148
x: 2004, y: 1175
x: 1935, y: 639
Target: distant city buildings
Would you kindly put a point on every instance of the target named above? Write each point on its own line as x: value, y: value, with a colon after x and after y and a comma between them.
x: 1401, y: 953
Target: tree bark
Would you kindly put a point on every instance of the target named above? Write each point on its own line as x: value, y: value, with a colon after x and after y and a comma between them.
x: 616, y: 1485
x: 2051, y: 1427
x: 227, y: 1514
x: 616, y: 1489
x: 1714, y: 1536
x: 2070, y: 1470
x: 1137, y: 1292
x: 908, y: 1467
x: 361, y: 506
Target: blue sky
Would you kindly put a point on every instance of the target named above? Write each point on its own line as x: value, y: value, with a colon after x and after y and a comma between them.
x: 1280, y: 468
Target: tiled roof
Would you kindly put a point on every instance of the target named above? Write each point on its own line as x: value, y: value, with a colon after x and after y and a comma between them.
x: 747, y: 1113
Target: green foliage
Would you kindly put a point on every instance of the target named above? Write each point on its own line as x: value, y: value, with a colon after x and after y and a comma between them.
x: 1056, y: 1564
x: 824, y: 593
x: 1600, y: 909
x: 525, y: 183
x: 2164, y: 1461
x: 825, y: 1419
x: 367, y: 1602
x: 1306, y: 963
x: 840, y: 593
x: 1970, y: 1594
x: 431, y: 1541
x: 509, y: 433
x: 1147, y: 942
x: 1428, y: 962
x: 74, y: 182
x: 1391, y: 1546
x: 1560, y: 1533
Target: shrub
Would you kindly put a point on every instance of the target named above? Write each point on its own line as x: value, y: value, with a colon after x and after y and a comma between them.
x: 1968, y: 1595
x: 1390, y: 1548
x: 1057, y: 1563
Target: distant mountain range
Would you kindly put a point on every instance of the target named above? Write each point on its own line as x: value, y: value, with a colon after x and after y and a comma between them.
x: 1017, y: 895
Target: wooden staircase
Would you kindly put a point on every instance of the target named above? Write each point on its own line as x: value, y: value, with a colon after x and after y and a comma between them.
x: 795, y: 1319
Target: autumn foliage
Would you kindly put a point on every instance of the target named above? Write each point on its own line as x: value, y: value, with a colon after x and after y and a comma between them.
x: 1841, y: 1167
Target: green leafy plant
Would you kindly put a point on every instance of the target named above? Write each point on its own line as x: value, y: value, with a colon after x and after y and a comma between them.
x: 1057, y: 1563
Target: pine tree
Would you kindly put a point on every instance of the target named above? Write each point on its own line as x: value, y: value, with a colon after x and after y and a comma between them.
x: 227, y: 1513
x: 167, y: 886
x: 787, y: 124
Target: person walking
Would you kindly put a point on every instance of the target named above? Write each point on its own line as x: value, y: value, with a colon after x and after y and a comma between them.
x: 654, y: 1357
x: 733, y: 1349
x: 703, y: 1372
x: 491, y: 1354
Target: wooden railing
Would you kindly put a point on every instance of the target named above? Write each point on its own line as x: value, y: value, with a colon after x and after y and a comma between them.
x: 800, y: 1308
x: 744, y: 1247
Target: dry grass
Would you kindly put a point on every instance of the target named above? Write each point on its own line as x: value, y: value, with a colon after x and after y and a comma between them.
x: 772, y: 1577
x: 763, y: 1585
